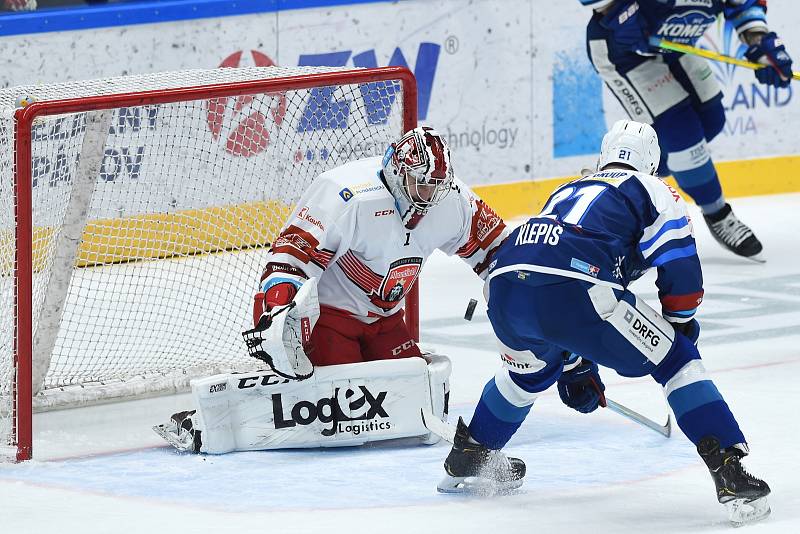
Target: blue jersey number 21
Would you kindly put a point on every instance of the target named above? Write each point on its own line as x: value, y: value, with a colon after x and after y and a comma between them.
x: 583, y: 197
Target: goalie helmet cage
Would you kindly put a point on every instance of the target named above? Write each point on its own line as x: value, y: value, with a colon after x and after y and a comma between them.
x: 135, y: 213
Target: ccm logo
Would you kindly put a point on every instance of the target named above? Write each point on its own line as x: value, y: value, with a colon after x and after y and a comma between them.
x: 305, y: 329
x: 405, y: 346
x: 381, y: 213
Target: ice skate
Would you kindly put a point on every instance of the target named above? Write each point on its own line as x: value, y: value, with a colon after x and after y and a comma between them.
x: 472, y: 468
x: 744, y: 495
x: 733, y: 234
x: 180, y: 432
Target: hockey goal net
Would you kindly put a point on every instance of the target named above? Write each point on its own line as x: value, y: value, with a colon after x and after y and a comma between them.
x: 135, y: 213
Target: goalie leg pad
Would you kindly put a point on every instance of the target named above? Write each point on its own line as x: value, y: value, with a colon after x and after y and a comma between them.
x: 340, y: 405
x: 439, y: 368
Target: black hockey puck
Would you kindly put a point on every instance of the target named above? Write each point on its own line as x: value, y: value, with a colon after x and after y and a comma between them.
x: 470, y: 309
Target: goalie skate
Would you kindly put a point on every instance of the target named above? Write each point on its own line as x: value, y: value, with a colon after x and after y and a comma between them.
x: 179, y: 432
x: 473, y: 469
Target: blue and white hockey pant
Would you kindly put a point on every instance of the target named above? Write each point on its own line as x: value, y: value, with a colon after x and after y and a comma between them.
x: 680, y: 97
x: 539, y: 321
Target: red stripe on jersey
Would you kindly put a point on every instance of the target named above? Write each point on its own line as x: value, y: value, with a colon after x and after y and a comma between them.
x: 358, y: 273
x: 689, y: 301
x: 486, y: 226
x: 302, y: 245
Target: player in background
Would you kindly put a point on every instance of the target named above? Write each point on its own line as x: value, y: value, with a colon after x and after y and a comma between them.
x: 336, y: 277
x: 678, y: 94
x: 559, y: 305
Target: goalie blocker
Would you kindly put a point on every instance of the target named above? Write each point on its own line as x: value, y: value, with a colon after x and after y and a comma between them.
x: 339, y: 405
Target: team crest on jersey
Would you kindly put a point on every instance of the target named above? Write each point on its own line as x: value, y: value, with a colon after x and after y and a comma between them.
x: 685, y: 27
x: 397, y: 282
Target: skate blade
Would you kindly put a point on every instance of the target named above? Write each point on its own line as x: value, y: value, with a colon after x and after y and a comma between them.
x: 170, y: 436
x: 756, y: 258
x: 479, y: 486
x: 742, y: 511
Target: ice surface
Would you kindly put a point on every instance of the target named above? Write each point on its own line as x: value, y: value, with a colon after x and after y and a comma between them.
x: 102, y: 470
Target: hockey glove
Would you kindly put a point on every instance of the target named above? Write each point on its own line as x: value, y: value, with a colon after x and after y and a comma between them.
x: 580, y: 388
x: 690, y: 329
x: 263, y: 302
x: 282, y: 333
x: 628, y: 28
x: 770, y: 51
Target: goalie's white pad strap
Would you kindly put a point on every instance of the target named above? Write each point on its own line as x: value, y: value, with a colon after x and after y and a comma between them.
x: 340, y: 405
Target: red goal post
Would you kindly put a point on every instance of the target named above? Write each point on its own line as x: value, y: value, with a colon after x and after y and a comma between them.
x: 151, y: 168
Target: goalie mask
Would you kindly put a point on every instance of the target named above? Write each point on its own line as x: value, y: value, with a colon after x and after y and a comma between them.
x: 418, y: 172
x: 631, y: 143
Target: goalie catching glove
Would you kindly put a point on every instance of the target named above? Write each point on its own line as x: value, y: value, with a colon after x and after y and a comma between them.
x: 282, y: 332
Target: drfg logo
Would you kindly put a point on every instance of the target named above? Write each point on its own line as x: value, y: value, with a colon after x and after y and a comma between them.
x: 645, y: 333
x: 329, y: 410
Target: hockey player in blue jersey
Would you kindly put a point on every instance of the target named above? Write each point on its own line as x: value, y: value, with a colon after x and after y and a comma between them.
x: 575, y: 260
x: 677, y: 94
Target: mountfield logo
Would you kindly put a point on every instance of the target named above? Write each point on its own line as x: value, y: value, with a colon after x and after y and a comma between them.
x: 245, y: 121
x: 361, y: 405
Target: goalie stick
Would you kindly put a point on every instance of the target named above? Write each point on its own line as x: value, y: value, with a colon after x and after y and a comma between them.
x: 443, y: 429
x: 447, y: 431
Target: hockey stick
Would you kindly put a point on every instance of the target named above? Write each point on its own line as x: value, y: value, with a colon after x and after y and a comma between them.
x: 443, y: 429
x: 708, y: 54
x: 447, y: 431
x: 665, y: 429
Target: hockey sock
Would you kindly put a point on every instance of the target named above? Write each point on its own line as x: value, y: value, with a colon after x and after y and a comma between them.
x: 682, y: 136
x: 496, y: 419
x: 701, y: 411
x: 697, y: 404
x: 702, y: 184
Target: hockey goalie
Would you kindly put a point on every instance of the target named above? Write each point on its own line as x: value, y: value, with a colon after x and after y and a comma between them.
x: 341, y: 367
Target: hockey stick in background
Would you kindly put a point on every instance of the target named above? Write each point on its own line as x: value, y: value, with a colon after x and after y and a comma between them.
x: 447, y: 431
x: 708, y: 54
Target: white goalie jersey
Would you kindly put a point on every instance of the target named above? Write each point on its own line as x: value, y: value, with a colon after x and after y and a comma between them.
x: 346, y: 230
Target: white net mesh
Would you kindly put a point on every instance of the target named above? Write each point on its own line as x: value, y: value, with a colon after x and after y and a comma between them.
x: 144, y: 271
